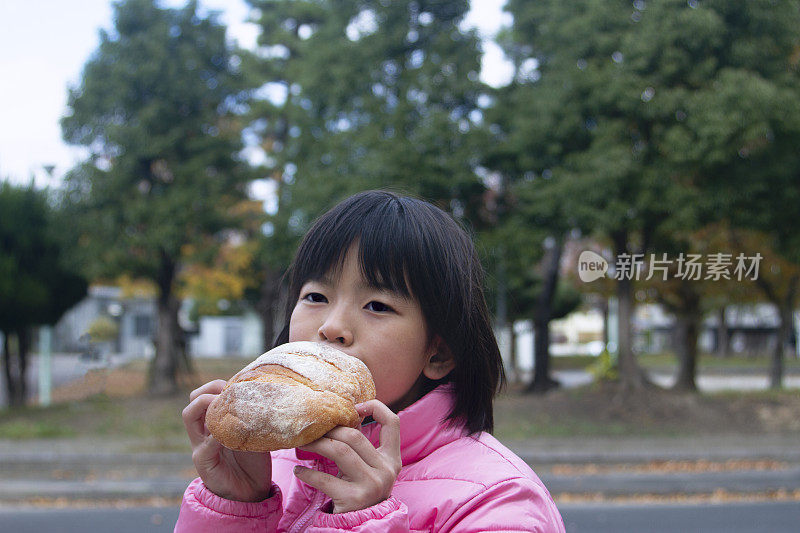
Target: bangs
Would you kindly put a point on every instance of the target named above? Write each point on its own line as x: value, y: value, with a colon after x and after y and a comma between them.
x: 385, y: 238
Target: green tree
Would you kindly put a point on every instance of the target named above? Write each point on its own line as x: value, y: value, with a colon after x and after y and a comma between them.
x: 36, y: 286
x: 690, y: 300
x: 778, y: 282
x: 377, y: 94
x: 362, y: 95
x: 645, y: 102
x: 532, y: 131
x: 542, y: 294
x: 527, y: 238
x: 583, y: 128
x: 736, y: 131
x: 158, y: 108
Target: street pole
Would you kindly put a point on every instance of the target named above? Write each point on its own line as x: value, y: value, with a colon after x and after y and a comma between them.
x: 613, y: 328
x: 45, y: 364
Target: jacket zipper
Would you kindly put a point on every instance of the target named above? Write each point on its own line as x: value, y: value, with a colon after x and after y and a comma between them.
x: 301, y: 523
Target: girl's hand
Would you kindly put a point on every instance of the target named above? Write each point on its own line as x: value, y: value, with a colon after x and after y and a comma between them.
x: 241, y: 476
x: 366, y: 474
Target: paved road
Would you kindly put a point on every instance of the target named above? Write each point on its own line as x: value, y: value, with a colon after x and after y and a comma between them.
x: 70, y: 468
x: 773, y: 517
x: 625, y: 483
x: 125, y: 520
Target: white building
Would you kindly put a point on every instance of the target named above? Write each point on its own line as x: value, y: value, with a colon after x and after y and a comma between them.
x: 216, y: 336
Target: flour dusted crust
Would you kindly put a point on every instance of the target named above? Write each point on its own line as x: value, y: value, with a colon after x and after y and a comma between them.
x: 288, y: 397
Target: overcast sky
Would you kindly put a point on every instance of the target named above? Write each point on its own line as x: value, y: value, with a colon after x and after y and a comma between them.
x: 45, y: 43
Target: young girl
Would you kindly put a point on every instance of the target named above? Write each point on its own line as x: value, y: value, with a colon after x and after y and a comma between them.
x: 395, y: 282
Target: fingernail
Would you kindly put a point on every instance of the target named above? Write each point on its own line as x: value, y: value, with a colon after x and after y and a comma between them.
x: 298, y: 469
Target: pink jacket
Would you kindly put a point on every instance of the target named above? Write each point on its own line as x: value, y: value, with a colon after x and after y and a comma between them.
x: 449, y: 482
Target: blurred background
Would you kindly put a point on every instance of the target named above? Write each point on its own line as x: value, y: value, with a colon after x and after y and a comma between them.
x: 629, y: 171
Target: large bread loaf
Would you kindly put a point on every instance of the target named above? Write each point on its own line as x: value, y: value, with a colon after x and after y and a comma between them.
x: 288, y: 397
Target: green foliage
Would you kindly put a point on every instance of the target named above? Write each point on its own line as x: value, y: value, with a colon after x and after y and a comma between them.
x: 651, y: 120
x: 35, y: 285
x: 103, y: 329
x: 604, y: 368
x: 157, y: 107
x: 39, y: 429
x: 639, y: 108
x: 356, y: 96
x: 378, y: 95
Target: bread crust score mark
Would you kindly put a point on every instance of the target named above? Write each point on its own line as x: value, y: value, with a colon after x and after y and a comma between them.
x: 288, y: 397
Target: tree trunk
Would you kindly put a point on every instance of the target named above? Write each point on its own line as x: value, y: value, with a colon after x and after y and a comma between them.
x: 24, y: 344
x: 723, y: 337
x: 628, y: 371
x: 604, y: 310
x: 688, y: 325
x: 776, y: 366
x: 163, y: 375
x: 15, y: 348
x: 9, y: 368
x: 185, y: 363
x: 164, y: 369
x: 542, y: 381
x: 785, y: 329
x: 630, y: 374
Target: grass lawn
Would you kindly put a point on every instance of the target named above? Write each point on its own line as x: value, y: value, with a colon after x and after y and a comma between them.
x: 668, y: 360
x: 113, y: 405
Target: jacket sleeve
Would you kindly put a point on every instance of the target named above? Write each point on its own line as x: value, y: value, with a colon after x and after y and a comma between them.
x: 203, y: 511
x: 389, y: 516
x: 512, y: 505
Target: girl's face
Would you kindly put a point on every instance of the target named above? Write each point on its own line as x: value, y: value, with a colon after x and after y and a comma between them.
x: 383, y: 329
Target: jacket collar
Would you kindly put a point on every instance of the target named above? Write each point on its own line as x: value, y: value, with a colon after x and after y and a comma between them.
x: 423, y: 425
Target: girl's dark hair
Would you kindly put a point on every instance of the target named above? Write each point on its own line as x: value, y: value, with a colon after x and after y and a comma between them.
x: 413, y: 248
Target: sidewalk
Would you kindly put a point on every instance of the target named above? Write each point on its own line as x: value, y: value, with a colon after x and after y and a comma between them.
x: 720, y: 466
x: 73, y: 469
x: 549, y: 450
x: 709, y: 380
x: 44, y: 471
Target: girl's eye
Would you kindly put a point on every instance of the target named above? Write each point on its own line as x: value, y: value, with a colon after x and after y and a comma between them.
x: 315, y: 297
x: 378, y: 307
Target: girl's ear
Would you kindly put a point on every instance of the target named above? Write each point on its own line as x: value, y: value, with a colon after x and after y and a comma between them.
x: 440, y: 363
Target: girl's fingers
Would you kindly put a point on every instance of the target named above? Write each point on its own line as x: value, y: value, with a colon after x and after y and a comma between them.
x: 194, y: 418
x: 212, y: 387
x: 330, y: 485
x: 359, y: 443
x: 366, y: 474
x: 390, y: 426
x: 194, y: 414
x: 205, y: 455
x: 350, y: 461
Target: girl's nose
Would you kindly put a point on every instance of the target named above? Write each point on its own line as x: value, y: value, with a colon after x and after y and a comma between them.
x: 336, y: 329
